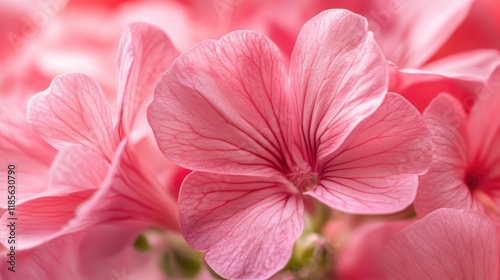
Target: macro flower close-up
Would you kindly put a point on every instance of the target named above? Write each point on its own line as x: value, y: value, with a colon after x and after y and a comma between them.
x: 249, y: 139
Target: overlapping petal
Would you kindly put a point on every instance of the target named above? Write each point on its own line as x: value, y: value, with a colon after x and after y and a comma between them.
x: 375, y: 168
x: 128, y: 196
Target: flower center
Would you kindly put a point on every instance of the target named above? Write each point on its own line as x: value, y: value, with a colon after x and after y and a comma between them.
x: 302, y: 177
x: 473, y: 179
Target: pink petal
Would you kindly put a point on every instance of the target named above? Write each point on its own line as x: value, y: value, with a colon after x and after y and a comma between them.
x: 375, y: 169
x: 461, y: 75
x: 247, y: 225
x: 447, y: 244
x: 76, y: 168
x: 474, y: 65
x: 361, y: 257
x: 43, y: 219
x: 76, y: 173
x: 102, y: 252
x: 72, y: 110
x: 443, y: 185
x: 236, y: 85
x: 126, y: 195
x: 410, y: 33
x: 145, y: 52
x: 23, y: 148
x: 106, y: 251
x: 484, y: 126
x: 421, y: 87
x: 154, y: 166
x: 339, y: 77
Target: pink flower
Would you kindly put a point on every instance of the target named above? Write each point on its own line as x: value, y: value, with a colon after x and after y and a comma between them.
x: 97, y: 155
x: 260, y: 137
x: 465, y: 169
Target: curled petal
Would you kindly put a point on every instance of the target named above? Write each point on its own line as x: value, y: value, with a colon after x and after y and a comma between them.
x: 145, y: 52
x: 72, y: 110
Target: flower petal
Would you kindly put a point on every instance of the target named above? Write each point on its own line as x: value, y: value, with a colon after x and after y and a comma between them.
x: 236, y: 85
x: 409, y: 33
x: 75, y: 175
x: 375, y: 169
x: 484, y: 126
x: 72, y: 110
x: 360, y: 258
x: 126, y: 195
x: 247, y: 225
x: 145, y: 52
x: 23, y: 148
x: 443, y: 185
x: 101, y: 252
x: 473, y: 66
x: 76, y: 168
x: 43, y: 218
x: 447, y: 244
x: 339, y: 77
x: 462, y: 75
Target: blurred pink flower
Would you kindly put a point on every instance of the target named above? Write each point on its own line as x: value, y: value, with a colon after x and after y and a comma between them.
x: 479, y: 30
x: 446, y: 244
x: 361, y: 256
x: 465, y: 169
x: 62, y: 258
x: 411, y: 34
x: 260, y: 137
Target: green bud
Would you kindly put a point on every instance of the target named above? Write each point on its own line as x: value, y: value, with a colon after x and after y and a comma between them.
x: 141, y: 243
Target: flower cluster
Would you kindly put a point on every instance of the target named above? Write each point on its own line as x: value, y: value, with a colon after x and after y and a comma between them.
x: 250, y: 139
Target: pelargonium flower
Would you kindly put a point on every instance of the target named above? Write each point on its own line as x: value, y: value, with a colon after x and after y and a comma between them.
x: 98, y: 156
x: 465, y: 169
x: 260, y: 137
